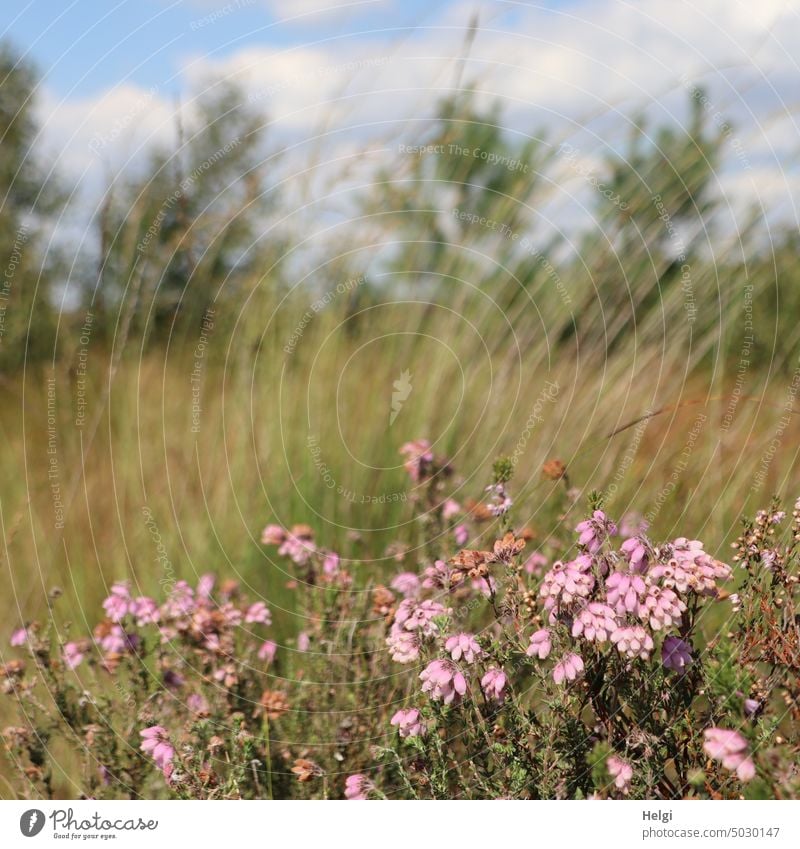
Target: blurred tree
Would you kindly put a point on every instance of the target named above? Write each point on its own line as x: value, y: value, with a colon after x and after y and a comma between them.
x: 28, y: 202
x: 188, y: 233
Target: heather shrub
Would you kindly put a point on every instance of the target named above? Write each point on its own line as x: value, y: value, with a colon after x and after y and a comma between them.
x: 491, y: 664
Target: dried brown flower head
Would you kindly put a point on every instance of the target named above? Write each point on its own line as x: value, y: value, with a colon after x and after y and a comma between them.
x: 306, y: 770
x: 554, y: 470
x: 274, y: 703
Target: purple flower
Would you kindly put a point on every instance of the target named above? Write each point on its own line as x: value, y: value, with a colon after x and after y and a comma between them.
x: 419, y: 459
x: 19, y: 637
x: 594, y: 531
x: 569, y: 667
x: 535, y: 563
x: 145, y: 610
x: 156, y: 744
x: 624, y: 591
x: 419, y: 616
x: 460, y: 534
x: 596, y: 622
x: 751, y: 707
x: 566, y: 582
x: 267, y: 651
x: 636, y: 552
x: 72, y: 655
x: 661, y: 608
x: 501, y: 501
x: 464, y: 646
x: 205, y: 585
x: 403, y: 645
x: 303, y: 641
x: 408, y: 723
x: 330, y: 564
x: 118, y: 603
x: 357, y: 787
x: 273, y: 535
x: 541, y: 645
x: 675, y: 653
x: 633, y: 641
x: 450, y: 508
x: 436, y: 577
x: 494, y: 683
x: 730, y: 748
x: 621, y: 771
x: 444, y: 681
x: 258, y: 613
x: 180, y: 601
x: 297, y: 548
x: 406, y: 583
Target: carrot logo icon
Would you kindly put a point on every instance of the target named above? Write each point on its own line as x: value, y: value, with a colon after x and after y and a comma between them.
x: 31, y: 822
x: 402, y: 389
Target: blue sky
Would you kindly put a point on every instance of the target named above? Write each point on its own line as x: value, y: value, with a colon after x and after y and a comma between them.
x: 372, y: 71
x: 83, y: 46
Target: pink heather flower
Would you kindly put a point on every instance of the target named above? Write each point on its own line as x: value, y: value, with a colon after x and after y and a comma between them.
x: 234, y: 616
x: 273, y: 535
x: 485, y: 586
x: 621, y: 772
x: 751, y: 707
x: 535, y: 563
x: 267, y: 651
x: 633, y: 641
x: 494, y: 683
x: 636, y: 552
x: 413, y: 616
x: 450, y: 508
x: 303, y: 641
x: 463, y: 646
x: 357, y: 787
x: 330, y: 564
x: 115, y: 641
x: 155, y: 743
x: 72, y: 655
x: 501, y: 502
x: 408, y: 723
x: 624, y: 591
x: 661, y: 608
x: 444, y: 681
x: 633, y: 524
x: 596, y: 622
x: 541, y: 644
x: 566, y: 582
x: 118, y: 603
x: 145, y: 610
x: 406, y: 583
x: 205, y: 586
x: 197, y: 704
x: 436, y: 577
x: 730, y: 748
x: 594, y: 531
x: 419, y: 458
x: 180, y: 601
x: 460, y: 534
x: 19, y: 637
x: 297, y: 548
x: 258, y: 613
x: 569, y: 667
x: 676, y: 654
x: 403, y: 645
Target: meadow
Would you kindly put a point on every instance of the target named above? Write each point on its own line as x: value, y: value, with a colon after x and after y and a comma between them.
x: 219, y: 382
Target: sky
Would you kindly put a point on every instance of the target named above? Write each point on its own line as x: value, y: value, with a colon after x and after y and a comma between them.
x: 114, y: 73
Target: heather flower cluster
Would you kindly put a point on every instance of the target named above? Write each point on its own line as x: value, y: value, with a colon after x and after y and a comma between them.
x: 592, y: 666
